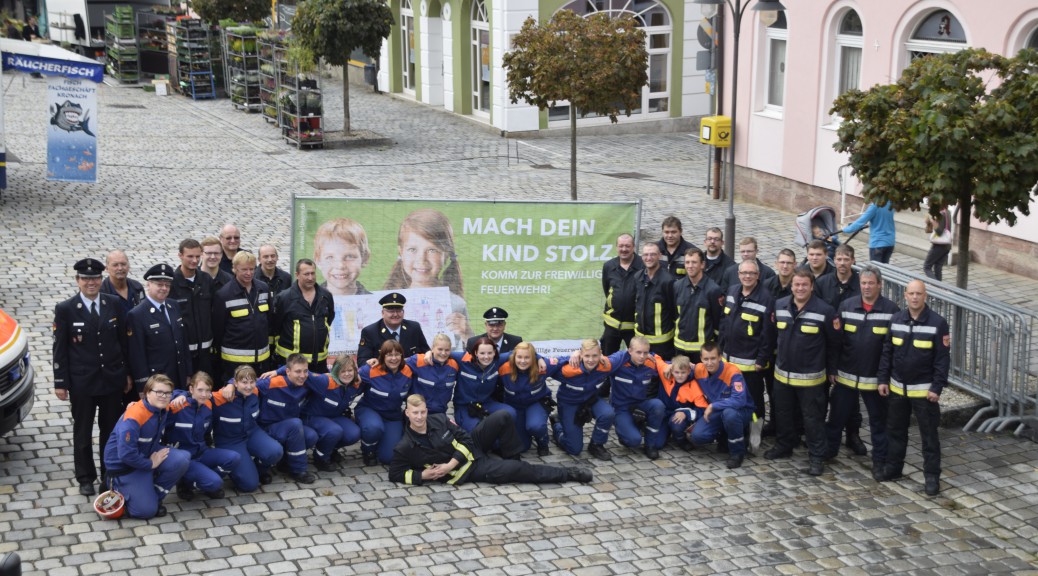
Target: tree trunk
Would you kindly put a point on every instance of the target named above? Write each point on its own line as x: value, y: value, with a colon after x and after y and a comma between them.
x: 572, y: 152
x: 964, y: 214
x: 345, y: 99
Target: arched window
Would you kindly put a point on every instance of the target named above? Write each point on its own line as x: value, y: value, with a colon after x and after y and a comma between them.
x: 480, y: 47
x: 1032, y: 42
x: 939, y: 33
x: 849, y: 47
x: 776, y: 35
x: 407, y: 45
x: 652, y: 17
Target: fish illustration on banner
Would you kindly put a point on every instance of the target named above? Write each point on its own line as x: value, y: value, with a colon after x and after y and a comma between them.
x: 72, y: 130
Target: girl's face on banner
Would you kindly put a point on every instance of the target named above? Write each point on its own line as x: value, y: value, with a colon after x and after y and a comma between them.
x: 421, y: 260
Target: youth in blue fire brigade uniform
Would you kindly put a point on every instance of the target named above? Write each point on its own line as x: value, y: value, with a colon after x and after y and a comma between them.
x: 477, y: 383
x: 89, y: 367
x: 281, y: 397
x: 303, y: 315
x: 729, y: 409
x: 379, y: 412
x: 579, y: 400
x: 190, y: 419
x: 634, y: 389
x: 155, y: 334
x: 525, y: 390
x: 139, y: 466
x: 697, y: 301
x: 807, y: 335
x: 434, y: 449
x: 912, y: 374
x: 237, y: 429
x: 679, y: 393
x: 435, y: 374
x: 327, y: 410
x: 864, y: 326
x: 240, y: 319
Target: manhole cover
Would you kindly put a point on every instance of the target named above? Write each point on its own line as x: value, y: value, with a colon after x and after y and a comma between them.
x: 628, y: 175
x: 542, y: 166
x: 128, y: 106
x: 332, y: 185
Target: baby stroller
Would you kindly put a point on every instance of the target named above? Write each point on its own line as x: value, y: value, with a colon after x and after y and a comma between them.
x: 818, y: 223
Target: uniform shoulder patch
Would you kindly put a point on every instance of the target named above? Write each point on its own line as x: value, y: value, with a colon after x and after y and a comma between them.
x: 361, y: 342
x: 947, y: 340
x: 836, y: 323
x: 737, y: 386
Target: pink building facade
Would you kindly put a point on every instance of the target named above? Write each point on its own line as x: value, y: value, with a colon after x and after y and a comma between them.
x: 791, y: 71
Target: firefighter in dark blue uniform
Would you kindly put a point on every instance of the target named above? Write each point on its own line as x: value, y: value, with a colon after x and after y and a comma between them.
x: 697, y: 302
x: 654, y: 310
x: 912, y: 374
x: 807, y: 344
x: 619, y: 278
x: 89, y: 366
x: 746, y: 337
x: 156, y: 341
x: 864, y: 324
x: 496, y: 319
x: 193, y: 292
x: 302, y: 317
x: 673, y: 246
x: 392, y: 326
x: 240, y: 324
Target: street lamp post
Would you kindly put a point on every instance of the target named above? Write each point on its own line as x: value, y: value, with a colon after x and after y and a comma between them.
x: 710, y: 8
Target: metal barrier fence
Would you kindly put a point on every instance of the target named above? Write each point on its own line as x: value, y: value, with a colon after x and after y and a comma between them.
x: 991, y: 352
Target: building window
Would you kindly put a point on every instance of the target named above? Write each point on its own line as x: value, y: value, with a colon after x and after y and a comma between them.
x: 1032, y: 42
x: 480, y: 26
x: 849, y: 48
x: 939, y: 33
x: 407, y: 45
x: 776, y: 35
x: 654, y: 19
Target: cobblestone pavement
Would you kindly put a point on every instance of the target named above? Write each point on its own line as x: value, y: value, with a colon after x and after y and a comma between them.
x: 172, y: 168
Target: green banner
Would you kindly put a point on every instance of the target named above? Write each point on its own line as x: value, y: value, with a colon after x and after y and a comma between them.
x: 452, y: 260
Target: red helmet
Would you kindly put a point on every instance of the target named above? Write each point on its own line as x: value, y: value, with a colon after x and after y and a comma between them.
x: 110, y: 505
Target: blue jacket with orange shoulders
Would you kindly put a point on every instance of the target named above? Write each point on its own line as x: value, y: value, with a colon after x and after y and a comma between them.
x: 435, y: 381
x: 385, y: 391
x: 280, y: 399
x: 633, y: 384
x: 236, y: 419
x: 187, y: 424
x: 578, y: 385
x: 137, y: 436
x: 725, y: 388
x: 328, y: 399
x: 519, y: 390
x: 475, y: 383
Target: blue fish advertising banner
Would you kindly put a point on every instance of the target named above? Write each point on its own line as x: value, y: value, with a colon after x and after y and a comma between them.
x: 71, y: 130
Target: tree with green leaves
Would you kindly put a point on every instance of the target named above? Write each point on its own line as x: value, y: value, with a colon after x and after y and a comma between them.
x: 956, y: 129
x: 597, y: 63
x: 237, y: 10
x: 333, y: 29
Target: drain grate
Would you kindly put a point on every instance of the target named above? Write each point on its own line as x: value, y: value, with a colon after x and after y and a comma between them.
x: 126, y: 106
x: 628, y: 175
x: 332, y: 185
x: 542, y: 166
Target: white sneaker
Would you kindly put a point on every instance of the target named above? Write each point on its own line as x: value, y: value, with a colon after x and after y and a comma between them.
x: 755, y: 428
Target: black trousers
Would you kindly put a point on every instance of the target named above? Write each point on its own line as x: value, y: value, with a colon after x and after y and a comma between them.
x: 499, y: 428
x: 899, y: 414
x: 612, y: 337
x: 755, y: 383
x: 108, y: 408
x: 811, y: 400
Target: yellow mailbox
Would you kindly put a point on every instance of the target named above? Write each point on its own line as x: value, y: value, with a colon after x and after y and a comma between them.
x: 716, y: 131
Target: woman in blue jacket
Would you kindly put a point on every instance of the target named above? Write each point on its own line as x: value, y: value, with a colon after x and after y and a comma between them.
x: 880, y: 220
x: 191, y: 416
x: 236, y: 409
x: 435, y: 374
x: 380, y: 411
x: 477, y: 383
x: 138, y: 465
x: 524, y: 388
x: 326, y: 409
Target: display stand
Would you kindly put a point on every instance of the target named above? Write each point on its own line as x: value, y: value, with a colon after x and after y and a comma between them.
x: 121, y: 46
x: 152, y: 41
x: 266, y: 43
x: 300, y: 105
x: 191, y: 51
x: 242, y: 64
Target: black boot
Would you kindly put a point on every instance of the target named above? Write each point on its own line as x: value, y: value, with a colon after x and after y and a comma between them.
x: 816, y: 467
x: 185, y: 492
x: 599, y: 451
x: 734, y: 461
x: 933, y: 484
x: 855, y: 444
x: 582, y: 475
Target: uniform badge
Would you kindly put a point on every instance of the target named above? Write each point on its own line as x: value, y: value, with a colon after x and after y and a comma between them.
x: 947, y: 340
x: 361, y: 342
x: 127, y: 437
x: 836, y: 323
x: 54, y: 327
x: 79, y: 305
x: 129, y: 331
x: 737, y: 386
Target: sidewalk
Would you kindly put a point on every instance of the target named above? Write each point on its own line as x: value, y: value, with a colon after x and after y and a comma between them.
x: 171, y: 168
